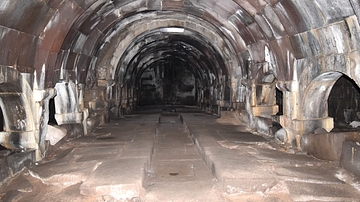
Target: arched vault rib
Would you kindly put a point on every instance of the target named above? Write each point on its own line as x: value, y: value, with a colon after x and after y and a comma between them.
x: 194, y: 49
x: 111, y: 53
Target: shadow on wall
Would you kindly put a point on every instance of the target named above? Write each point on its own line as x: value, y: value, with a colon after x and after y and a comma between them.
x: 172, y: 85
x: 52, y: 120
x: 344, y: 102
x: 1, y: 127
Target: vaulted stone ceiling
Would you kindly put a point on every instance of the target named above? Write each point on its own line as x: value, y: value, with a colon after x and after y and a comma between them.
x: 93, y: 51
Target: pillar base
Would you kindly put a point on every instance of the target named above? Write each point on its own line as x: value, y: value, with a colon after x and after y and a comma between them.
x: 297, y: 128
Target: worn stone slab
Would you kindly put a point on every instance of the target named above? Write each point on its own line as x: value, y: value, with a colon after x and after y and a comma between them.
x: 98, y: 149
x: 304, y: 191
x: 176, y: 154
x: 140, y: 145
x: 19, y: 183
x: 112, y: 139
x: 238, y: 171
x: 4, y: 171
x: 62, y: 156
x: 121, y: 179
x: 245, y: 185
x: 13, y: 195
x: 135, y: 153
x: 64, y: 174
x: 183, y: 191
x: 84, y: 140
x: 203, y: 142
x: 180, y: 170
x: 272, y: 156
x: 144, y: 137
x: 96, y: 157
x: 316, y: 174
x: 241, y: 137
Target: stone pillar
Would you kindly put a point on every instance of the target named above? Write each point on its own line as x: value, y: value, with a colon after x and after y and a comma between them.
x: 41, y: 114
x: 260, y: 104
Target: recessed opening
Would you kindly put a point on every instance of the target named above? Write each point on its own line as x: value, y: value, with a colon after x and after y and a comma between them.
x: 167, y: 83
x: 344, y: 102
x: 2, y: 124
x: 279, y: 101
x: 52, y: 120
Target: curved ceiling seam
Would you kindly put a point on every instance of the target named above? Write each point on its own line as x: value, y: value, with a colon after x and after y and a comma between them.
x: 118, y: 8
x: 120, y: 46
x: 163, y: 38
x: 138, y: 57
x: 164, y: 53
x: 272, y: 31
x: 188, y: 14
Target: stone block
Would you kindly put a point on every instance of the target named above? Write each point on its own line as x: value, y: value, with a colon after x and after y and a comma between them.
x: 325, y: 146
x: 321, y: 192
x: 4, y: 171
x: 55, y: 134
x: 350, y: 157
x: 64, y: 174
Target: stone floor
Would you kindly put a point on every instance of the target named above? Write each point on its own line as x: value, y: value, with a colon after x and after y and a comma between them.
x: 181, y: 155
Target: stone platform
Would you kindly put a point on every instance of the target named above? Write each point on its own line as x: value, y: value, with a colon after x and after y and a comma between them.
x: 181, y: 155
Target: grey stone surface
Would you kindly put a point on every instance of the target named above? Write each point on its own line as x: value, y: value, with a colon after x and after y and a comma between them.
x: 55, y: 134
x: 350, y: 157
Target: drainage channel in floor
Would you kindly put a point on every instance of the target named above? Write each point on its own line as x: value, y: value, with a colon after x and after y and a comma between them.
x: 177, y: 170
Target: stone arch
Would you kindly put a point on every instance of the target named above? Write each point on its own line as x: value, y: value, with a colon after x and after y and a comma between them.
x: 314, y: 102
x: 142, y: 27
